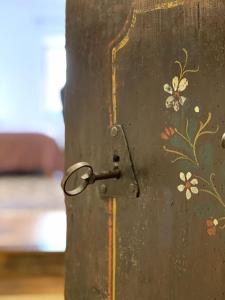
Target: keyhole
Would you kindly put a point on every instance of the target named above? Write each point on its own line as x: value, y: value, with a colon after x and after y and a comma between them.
x: 116, y: 158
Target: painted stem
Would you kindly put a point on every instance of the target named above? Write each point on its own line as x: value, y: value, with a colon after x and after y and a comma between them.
x: 216, y: 196
x: 203, y: 179
x: 183, y: 70
x: 214, y: 191
x: 180, y: 155
x: 199, y: 133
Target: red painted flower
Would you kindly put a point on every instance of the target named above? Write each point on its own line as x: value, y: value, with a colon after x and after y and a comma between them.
x: 211, y: 226
x: 167, y: 133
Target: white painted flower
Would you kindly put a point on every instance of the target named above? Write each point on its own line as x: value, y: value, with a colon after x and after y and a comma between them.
x: 188, y: 185
x: 175, y: 99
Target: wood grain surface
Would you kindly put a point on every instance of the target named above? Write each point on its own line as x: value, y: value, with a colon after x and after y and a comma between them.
x: 121, y: 59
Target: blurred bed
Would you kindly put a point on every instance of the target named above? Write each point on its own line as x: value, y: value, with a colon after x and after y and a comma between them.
x: 29, y: 152
x: 31, y: 200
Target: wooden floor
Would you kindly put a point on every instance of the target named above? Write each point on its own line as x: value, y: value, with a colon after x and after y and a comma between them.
x: 31, y: 273
x: 32, y: 239
x: 33, y: 297
x: 23, y: 274
x: 32, y: 256
x: 36, y: 285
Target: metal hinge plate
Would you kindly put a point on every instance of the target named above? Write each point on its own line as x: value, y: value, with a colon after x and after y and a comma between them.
x: 127, y: 184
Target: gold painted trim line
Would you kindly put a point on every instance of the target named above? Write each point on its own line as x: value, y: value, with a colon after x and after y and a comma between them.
x: 124, y: 41
x: 115, y: 46
x: 116, y: 49
x: 114, y: 249
x: 160, y: 6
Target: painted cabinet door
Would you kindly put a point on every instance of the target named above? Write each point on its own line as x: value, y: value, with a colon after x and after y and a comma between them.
x: 157, y: 68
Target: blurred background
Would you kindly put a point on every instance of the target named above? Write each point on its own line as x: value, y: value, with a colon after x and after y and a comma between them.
x: 32, y: 212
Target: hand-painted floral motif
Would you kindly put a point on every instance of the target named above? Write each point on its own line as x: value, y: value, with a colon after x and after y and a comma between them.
x: 188, y: 185
x: 191, y: 142
x: 179, y: 84
x: 189, y: 136
x: 175, y: 99
x: 211, y: 226
x: 167, y: 133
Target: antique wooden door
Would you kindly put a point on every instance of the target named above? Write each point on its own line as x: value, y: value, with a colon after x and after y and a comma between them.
x: 157, y: 68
